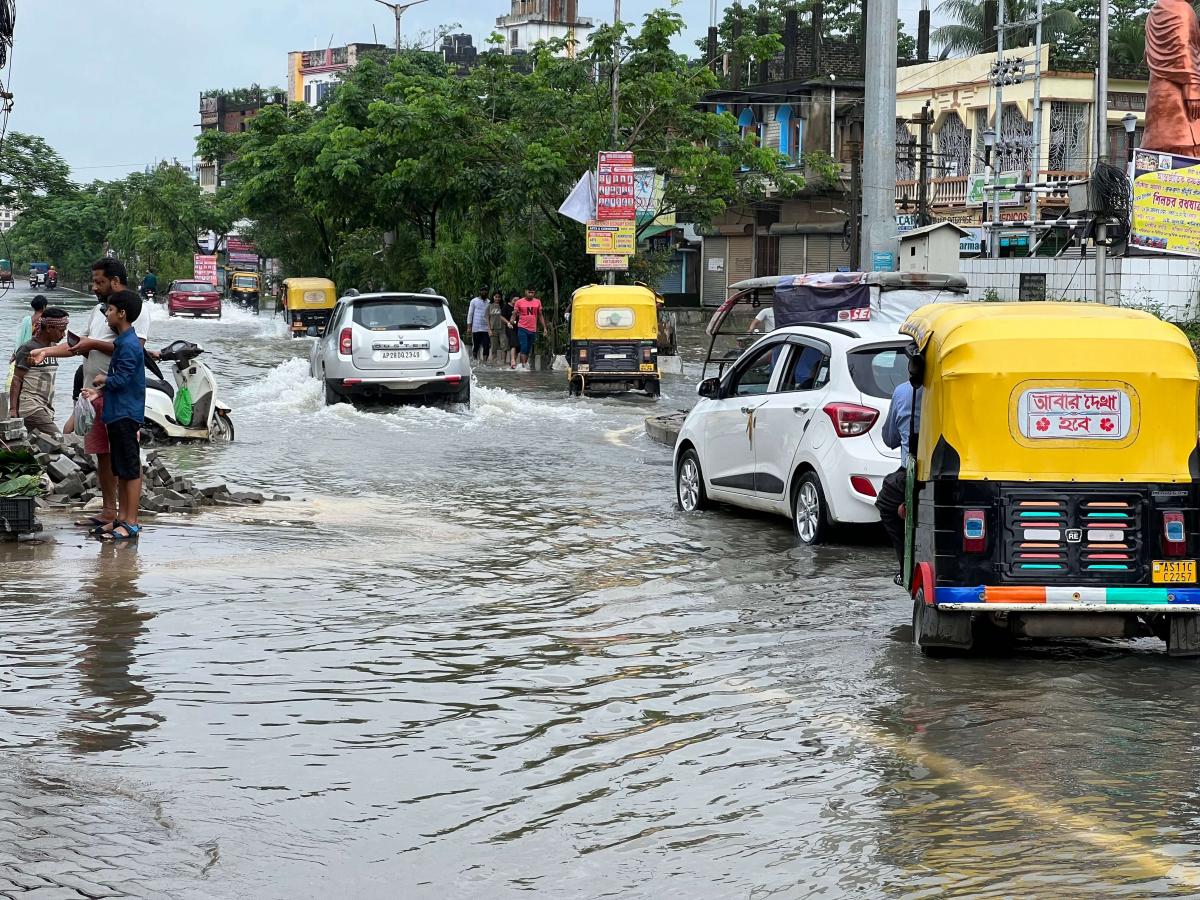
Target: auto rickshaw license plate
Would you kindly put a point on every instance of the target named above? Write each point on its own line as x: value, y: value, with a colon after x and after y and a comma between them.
x: 1174, y: 571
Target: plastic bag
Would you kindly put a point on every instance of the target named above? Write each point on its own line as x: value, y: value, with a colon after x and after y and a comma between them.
x: 183, y: 407
x: 85, y: 416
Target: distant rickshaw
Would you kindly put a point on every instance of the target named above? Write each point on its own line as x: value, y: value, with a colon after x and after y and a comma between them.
x: 614, y: 340
x: 307, y: 304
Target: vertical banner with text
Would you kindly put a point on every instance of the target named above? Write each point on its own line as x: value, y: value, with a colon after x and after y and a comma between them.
x: 204, y: 268
x: 616, y: 187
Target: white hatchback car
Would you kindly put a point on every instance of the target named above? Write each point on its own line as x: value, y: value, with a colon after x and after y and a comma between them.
x: 794, y: 427
x: 392, y: 346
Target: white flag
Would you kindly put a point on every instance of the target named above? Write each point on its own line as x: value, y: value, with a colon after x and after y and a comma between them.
x: 580, y: 205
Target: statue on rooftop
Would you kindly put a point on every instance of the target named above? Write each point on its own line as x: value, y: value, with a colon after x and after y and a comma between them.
x: 1173, y: 56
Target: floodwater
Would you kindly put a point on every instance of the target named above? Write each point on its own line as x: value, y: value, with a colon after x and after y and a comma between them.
x: 481, y: 654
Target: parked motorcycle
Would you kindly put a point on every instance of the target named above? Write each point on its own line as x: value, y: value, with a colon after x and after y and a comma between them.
x: 190, y: 410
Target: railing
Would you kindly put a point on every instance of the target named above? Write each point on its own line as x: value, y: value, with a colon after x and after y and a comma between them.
x: 953, y: 191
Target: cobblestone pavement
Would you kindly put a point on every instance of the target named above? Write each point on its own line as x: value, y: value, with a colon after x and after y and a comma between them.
x: 61, y: 840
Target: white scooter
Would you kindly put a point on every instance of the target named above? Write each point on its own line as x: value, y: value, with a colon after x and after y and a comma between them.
x: 210, y: 420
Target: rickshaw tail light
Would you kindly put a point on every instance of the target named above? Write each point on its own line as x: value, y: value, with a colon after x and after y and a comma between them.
x: 455, y: 343
x: 1174, y: 534
x: 346, y: 342
x: 850, y: 419
x: 974, y: 531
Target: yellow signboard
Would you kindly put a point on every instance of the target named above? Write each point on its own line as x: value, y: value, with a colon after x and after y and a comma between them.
x: 1166, y: 203
x: 612, y: 238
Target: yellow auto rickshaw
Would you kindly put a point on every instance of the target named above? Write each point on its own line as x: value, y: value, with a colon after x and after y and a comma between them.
x: 1053, y: 491
x: 245, y: 290
x: 614, y: 340
x: 307, y: 304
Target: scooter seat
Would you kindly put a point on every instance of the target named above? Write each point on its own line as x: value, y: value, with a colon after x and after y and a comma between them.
x: 159, y: 385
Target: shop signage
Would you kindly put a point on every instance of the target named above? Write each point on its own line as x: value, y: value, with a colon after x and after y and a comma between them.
x: 204, y: 268
x: 611, y: 238
x: 612, y: 262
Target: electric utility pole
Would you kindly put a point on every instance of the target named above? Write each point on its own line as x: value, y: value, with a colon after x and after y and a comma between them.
x: 1101, y: 237
x: 616, y: 94
x: 879, y: 134
x: 399, y: 9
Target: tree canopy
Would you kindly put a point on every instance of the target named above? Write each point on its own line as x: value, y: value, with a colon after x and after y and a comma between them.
x: 411, y: 176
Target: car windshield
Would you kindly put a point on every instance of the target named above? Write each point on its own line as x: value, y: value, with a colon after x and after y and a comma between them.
x: 399, y: 314
x: 193, y: 287
x: 878, y: 371
x: 245, y: 281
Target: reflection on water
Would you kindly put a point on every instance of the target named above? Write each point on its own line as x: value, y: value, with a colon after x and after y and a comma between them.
x: 110, y: 625
x: 480, y: 653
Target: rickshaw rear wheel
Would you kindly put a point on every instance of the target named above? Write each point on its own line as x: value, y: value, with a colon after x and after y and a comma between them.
x: 952, y: 630
x: 810, y: 517
x: 575, y: 387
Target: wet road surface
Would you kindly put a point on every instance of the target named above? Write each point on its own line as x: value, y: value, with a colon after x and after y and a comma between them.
x: 481, y: 654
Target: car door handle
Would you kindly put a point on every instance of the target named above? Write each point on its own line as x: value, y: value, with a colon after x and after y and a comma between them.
x: 746, y: 410
x: 801, y: 410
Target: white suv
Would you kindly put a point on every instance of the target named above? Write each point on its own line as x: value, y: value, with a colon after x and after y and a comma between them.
x: 794, y: 427
x: 392, y: 346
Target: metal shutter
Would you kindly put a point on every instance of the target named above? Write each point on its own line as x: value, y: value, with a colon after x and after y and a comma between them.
x: 740, y: 263
x: 839, y: 253
x: 792, y: 259
x: 818, y: 253
x: 712, y: 284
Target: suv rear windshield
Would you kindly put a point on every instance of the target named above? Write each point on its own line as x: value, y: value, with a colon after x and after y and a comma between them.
x: 399, y: 314
x: 878, y: 371
x: 194, y: 287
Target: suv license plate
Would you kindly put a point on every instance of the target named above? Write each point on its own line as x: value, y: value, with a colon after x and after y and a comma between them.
x: 400, y: 354
x: 1173, y: 571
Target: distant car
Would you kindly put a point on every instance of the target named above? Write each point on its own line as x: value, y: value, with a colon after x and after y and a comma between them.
x: 388, y: 346
x: 193, y: 298
x: 794, y: 427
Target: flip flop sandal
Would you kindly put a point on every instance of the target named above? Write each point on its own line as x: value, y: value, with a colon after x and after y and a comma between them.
x: 103, y: 529
x: 132, y: 532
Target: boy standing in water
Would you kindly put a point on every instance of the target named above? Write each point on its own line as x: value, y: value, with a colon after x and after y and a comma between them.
x: 124, y: 390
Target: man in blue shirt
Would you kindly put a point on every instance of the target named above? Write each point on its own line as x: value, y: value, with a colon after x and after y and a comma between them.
x: 903, y: 419
x: 477, y: 322
x: 124, y: 388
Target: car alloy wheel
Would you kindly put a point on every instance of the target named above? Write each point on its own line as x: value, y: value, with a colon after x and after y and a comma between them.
x: 808, y: 511
x: 689, y: 483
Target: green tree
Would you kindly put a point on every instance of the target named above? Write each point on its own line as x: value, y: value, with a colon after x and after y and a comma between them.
x: 411, y: 176
x: 30, y: 168
x: 965, y: 34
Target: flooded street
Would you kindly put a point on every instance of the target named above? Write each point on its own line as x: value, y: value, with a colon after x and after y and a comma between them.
x: 481, y: 653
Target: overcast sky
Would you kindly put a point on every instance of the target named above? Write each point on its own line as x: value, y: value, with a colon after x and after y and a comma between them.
x: 115, y: 86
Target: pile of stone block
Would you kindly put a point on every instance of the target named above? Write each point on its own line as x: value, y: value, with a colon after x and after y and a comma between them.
x: 73, y: 481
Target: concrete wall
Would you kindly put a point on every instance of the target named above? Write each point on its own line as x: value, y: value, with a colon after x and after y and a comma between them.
x: 1169, y: 286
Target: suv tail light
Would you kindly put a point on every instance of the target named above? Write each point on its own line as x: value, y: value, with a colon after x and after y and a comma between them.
x: 850, y: 419
x: 346, y: 342
x: 974, y: 531
x: 1174, y: 534
x: 455, y: 343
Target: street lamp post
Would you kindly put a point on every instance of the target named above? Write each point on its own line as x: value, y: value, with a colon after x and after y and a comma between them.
x: 399, y: 9
x: 989, y: 141
x: 1129, y: 120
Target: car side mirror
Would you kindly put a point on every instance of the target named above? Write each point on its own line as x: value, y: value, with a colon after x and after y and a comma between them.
x: 710, y: 388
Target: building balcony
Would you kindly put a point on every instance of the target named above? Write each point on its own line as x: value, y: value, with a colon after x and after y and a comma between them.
x: 952, y: 192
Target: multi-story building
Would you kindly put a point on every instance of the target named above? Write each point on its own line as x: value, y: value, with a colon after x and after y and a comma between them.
x: 230, y: 113
x: 313, y: 73
x: 8, y: 218
x: 533, y: 21
x: 962, y: 101
x: 807, y: 104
